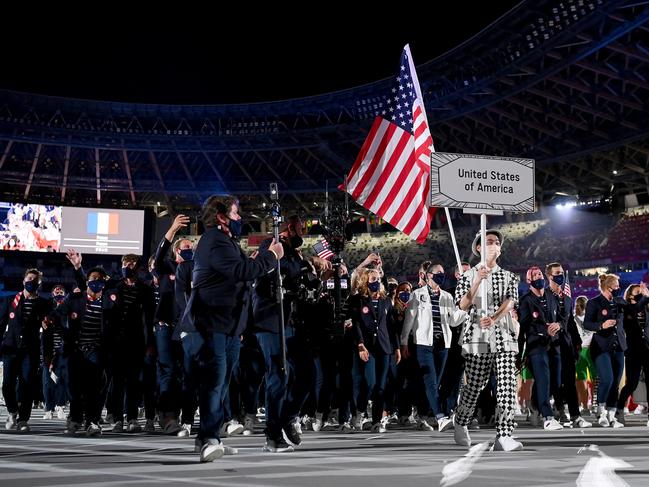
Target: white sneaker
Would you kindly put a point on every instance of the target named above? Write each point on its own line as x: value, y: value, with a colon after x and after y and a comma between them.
x: 249, y: 425
x: 298, y: 427
x: 23, y: 427
x: 186, y: 430
x: 60, y: 412
x: 461, y: 434
x: 11, y: 422
x: 638, y: 410
x: 347, y: 427
x: 307, y: 422
x: 425, y: 425
x: 316, y: 424
x: 603, y: 420
x: 47, y: 415
x: 279, y: 446
x: 228, y: 450
x: 549, y: 425
x: 119, y: 427
x: 582, y: 423
x: 234, y: 427
x: 444, y: 424
x: 211, y: 452
x: 379, y: 428
x: 507, y: 443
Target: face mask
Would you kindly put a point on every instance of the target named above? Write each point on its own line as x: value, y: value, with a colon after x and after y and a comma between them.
x: 616, y: 292
x: 128, y: 273
x: 59, y: 298
x: 558, y: 279
x: 187, y: 254
x: 404, y: 297
x: 31, y: 286
x: 439, y: 278
x: 296, y: 241
x: 538, y: 284
x: 97, y: 285
x: 374, y: 286
x: 235, y: 227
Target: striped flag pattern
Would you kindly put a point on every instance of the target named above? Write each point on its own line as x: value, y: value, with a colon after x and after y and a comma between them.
x: 391, y: 175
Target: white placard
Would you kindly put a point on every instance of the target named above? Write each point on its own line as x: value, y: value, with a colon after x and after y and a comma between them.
x: 482, y: 182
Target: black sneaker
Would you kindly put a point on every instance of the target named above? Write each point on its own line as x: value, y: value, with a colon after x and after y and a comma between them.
x: 277, y: 446
x: 292, y: 434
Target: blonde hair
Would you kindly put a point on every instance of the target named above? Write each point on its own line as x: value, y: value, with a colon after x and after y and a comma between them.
x: 607, y: 280
x: 580, y: 305
x: 363, y: 281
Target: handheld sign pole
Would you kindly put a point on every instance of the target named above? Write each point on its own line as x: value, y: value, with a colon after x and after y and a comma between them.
x: 276, y: 213
x: 483, y: 261
x: 450, y: 227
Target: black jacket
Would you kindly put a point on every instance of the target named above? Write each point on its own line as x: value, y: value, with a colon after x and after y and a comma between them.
x: 637, y: 334
x: 598, y: 310
x: 534, y: 319
x: 19, y: 337
x: 377, y: 331
x: 68, y: 316
x: 264, y: 301
x: 569, y: 334
x: 167, y: 311
x: 221, y: 270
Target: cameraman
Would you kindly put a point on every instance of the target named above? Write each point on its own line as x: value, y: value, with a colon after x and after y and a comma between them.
x: 282, y: 406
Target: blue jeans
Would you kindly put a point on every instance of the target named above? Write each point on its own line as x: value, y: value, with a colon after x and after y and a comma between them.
x: 431, y: 361
x: 19, y: 368
x: 610, y: 366
x: 369, y: 379
x: 213, y: 361
x: 276, y: 384
x: 546, y: 368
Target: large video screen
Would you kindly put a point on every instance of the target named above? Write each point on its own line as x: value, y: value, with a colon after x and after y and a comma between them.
x: 102, y: 231
x: 35, y: 228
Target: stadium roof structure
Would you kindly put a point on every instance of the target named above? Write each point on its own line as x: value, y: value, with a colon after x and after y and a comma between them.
x: 564, y: 82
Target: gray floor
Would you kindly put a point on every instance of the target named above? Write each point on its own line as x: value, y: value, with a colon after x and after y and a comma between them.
x: 398, y: 458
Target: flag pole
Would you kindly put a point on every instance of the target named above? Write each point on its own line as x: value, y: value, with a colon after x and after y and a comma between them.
x: 483, y: 261
x: 450, y: 227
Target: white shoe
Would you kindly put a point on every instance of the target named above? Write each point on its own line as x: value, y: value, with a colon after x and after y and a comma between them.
x: 444, y: 424
x: 23, y: 427
x: 186, y: 430
x: 11, y: 422
x: 298, y: 427
x: 347, y: 427
x: 279, y: 446
x: 232, y: 427
x: 379, y: 428
x: 616, y: 424
x: 603, y: 420
x: 507, y: 443
x: 228, y: 450
x: 249, y: 425
x: 211, y: 452
x: 549, y: 425
x: 307, y: 422
x: 461, y: 434
x: 119, y: 427
x: 582, y: 423
x: 316, y: 424
x: 134, y: 426
x: 60, y: 412
x: 47, y: 415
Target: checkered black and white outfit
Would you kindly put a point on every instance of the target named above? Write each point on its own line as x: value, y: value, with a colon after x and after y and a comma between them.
x: 483, y: 350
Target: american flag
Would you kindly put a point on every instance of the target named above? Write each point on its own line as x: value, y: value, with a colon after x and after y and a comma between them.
x: 566, y: 287
x: 391, y: 175
x: 321, y: 248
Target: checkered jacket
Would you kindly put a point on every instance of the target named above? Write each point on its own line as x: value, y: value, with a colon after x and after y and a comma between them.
x: 501, y: 284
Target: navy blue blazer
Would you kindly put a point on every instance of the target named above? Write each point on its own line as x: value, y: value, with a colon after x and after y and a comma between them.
x: 377, y: 331
x: 221, y: 271
x: 16, y: 336
x: 165, y: 268
x: 598, y: 310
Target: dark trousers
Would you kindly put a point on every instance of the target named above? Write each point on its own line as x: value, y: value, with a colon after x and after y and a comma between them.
x: 250, y: 373
x: 86, y: 375
x: 169, y: 371
x: 333, y: 379
x: 53, y: 392
x: 19, y: 378
x: 213, y: 361
x: 546, y: 368
x: 452, y: 377
x: 126, y: 387
x: 567, y: 393
x: 149, y: 386
x: 610, y: 366
x: 430, y: 367
x: 636, y: 360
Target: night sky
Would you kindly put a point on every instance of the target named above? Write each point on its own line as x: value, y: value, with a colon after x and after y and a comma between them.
x: 195, y: 57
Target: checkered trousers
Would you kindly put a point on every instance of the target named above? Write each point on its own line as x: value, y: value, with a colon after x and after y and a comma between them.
x: 478, y: 369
